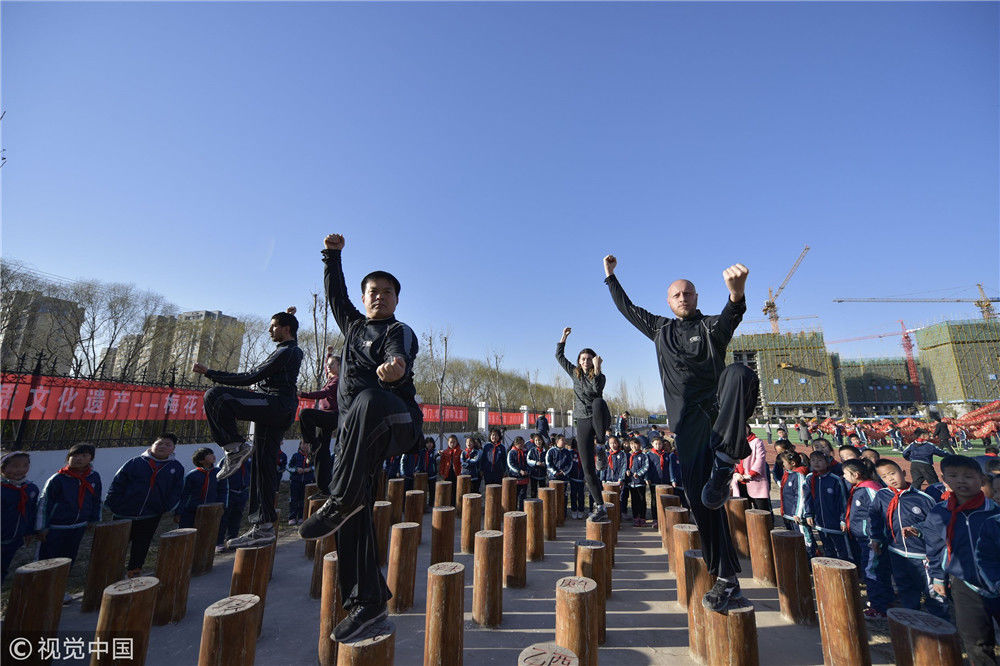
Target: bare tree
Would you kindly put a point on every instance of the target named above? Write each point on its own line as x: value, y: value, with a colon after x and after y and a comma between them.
x: 256, y: 341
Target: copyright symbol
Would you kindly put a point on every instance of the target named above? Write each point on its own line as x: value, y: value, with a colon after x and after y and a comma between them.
x: 20, y: 649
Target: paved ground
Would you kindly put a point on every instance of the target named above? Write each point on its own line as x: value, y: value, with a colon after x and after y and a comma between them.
x: 645, y: 624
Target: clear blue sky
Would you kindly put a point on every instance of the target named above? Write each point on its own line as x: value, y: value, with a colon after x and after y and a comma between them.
x: 491, y: 154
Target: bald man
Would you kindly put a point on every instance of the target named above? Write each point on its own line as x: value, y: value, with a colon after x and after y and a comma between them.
x: 708, y: 405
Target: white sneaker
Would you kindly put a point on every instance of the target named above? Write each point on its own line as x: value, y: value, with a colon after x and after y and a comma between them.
x: 231, y: 463
x: 257, y: 535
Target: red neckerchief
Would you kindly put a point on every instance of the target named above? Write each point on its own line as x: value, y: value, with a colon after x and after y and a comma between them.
x: 812, y: 483
x: 976, y: 502
x: 22, y: 503
x: 663, y: 460
x: 781, y: 495
x: 427, y: 459
x: 611, y: 456
x: 85, y: 486
x: 850, y: 498
x: 520, y: 455
x: 469, y: 451
x: 156, y: 467
x: 945, y: 496
x: 991, y: 455
x: 204, y: 484
x: 493, y: 454
x: 893, y: 503
x: 632, y: 458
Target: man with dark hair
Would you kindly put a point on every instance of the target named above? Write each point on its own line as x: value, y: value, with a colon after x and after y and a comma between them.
x: 708, y: 405
x: 272, y: 408
x: 921, y: 454
x: 379, y: 419
x: 542, y: 426
x: 942, y: 433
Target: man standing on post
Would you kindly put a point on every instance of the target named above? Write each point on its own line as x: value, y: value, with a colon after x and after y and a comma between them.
x: 379, y: 419
x: 272, y: 408
x: 708, y: 407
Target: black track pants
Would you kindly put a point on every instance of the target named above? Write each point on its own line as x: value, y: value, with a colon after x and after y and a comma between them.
x: 317, y: 429
x: 587, y: 432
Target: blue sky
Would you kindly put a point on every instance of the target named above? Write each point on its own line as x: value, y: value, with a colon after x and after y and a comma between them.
x: 491, y: 154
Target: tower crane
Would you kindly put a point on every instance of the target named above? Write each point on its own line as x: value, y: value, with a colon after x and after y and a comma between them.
x: 770, y: 309
x: 984, y: 302
x: 911, y: 363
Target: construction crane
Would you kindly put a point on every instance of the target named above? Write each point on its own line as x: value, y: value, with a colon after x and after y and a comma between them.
x: 761, y: 321
x: 770, y: 309
x: 984, y: 302
x: 911, y: 362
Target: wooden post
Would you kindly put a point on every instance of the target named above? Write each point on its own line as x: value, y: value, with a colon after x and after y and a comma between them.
x: 415, y: 501
x: 396, y: 496
x: 126, y: 609
x: 36, y: 597
x: 841, y: 619
x: 443, y: 628
x: 380, y: 486
x: 535, y: 511
x: 732, y: 636
x: 107, y: 561
x: 920, y: 639
x: 791, y: 565
x: 548, y: 497
x: 376, y: 647
x: 601, y: 531
x: 493, y: 520
x: 547, y: 654
x: 229, y: 631
x: 509, y: 494
x: 207, y: 519
x: 420, y: 481
x: 759, y: 526
x: 560, y: 488
x: 659, y: 489
x: 515, y: 544
x: 472, y: 520
x: 310, y: 490
x: 402, y: 565
x: 576, y: 617
x: 173, y: 570
x: 331, y: 611
x: 442, y: 493
x: 382, y: 518
x: 686, y: 538
x: 442, y: 534
x: 671, y: 515
x: 251, y: 575
x: 324, y: 545
x: 463, y: 485
x: 614, y: 513
x: 736, y: 508
x: 487, y: 579
x: 310, y: 506
x: 592, y: 563
x: 697, y: 583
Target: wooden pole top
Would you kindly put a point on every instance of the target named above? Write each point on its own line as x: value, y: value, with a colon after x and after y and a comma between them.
x: 406, y: 526
x: 180, y: 531
x: 786, y: 534
x: 377, y: 634
x: 686, y: 527
x: 588, y: 543
x: 131, y: 585
x: 488, y: 534
x: 331, y: 556
x: 675, y: 509
x: 382, y: 503
x: 921, y: 621
x: 831, y: 563
x: 471, y: 496
x: 232, y: 605
x: 533, y: 500
x: 447, y: 569
x: 759, y: 512
x: 515, y: 514
x: 443, y: 509
x: 547, y: 654
x: 576, y: 584
x: 42, y: 565
x: 414, y: 493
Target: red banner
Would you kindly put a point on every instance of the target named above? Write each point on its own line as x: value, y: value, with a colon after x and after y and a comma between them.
x: 452, y: 414
x: 511, y: 419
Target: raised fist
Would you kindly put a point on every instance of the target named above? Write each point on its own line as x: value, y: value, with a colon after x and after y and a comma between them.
x: 609, y: 265
x: 334, y: 242
x: 391, y: 371
x: 736, y: 279
x: 566, y: 332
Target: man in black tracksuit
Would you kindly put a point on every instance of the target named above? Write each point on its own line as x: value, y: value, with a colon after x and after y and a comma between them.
x: 708, y: 407
x: 379, y: 419
x: 272, y: 408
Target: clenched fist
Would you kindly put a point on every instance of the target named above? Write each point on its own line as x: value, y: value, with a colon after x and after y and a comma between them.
x: 391, y: 371
x: 566, y: 332
x: 334, y: 242
x: 736, y: 279
x: 609, y: 265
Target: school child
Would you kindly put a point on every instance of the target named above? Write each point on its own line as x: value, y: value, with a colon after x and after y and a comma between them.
x: 826, y: 448
x: 18, y: 506
x: 750, y: 477
x: 895, y: 512
x: 615, y: 473
x: 988, y: 552
x: 921, y: 454
x: 200, y: 487
x: 427, y: 462
x: 282, y: 465
x: 237, y: 494
x: 70, y: 501
x: 493, y: 463
x: 517, y: 468
x: 793, y: 497
x: 635, y: 477
x: 780, y: 447
x: 300, y: 474
x: 826, y: 505
x: 659, y: 467
x: 407, y: 468
x: 536, y: 465
x: 874, y: 572
x: 450, y: 464
x: 472, y: 457
x: 559, y: 462
x: 145, y: 488
x: 951, y: 532
x: 576, y: 482
x: 676, y: 476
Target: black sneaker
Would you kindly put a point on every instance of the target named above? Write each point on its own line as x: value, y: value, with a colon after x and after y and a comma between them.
x: 259, y: 534
x: 233, y: 460
x: 319, y: 496
x: 723, y: 595
x: 600, y: 514
x: 327, y: 519
x: 359, y: 618
x: 715, y: 492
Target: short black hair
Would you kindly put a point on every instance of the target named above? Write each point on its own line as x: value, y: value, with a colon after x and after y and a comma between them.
x: 817, y: 455
x: 847, y: 447
x: 169, y: 435
x: 287, y: 319
x: 887, y: 462
x: 200, y: 454
x: 82, y: 447
x: 993, y: 465
x: 380, y: 275
x: 7, y: 457
x: 956, y: 461
x: 519, y: 440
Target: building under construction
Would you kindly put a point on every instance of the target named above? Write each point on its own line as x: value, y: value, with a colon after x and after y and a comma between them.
x: 963, y: 360
x: 883, y: 386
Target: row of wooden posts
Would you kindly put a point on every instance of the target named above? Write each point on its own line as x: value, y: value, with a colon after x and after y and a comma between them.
x: 502, y: 539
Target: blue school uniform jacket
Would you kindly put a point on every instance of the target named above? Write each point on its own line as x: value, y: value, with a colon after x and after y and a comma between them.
x: 793, y: 493
x: 427, y: 462
x: 859, y: 501
x: 912, y: 508
x: 407, y: 465
x: 617, y: 464
x: 282, y: 464
x: 197, y: 491
x: 145, y: 486
x: 825, y: 501
x: 61, y: 505
x: 493, y: 463
x: 936, y: 490
x: 676, y: 477
x: 239, y: 483
x: 391, y: 467
x: 988, y: 555
x: 957, y: 558
x: 558, y: 460
x: 517, y: 462
x: 576, y: 467
x: 300, y: 461
x: 536, y: 462
x: 471, y: 459
x: 659, y: 467
x: 18, y: 510
x: 638, y: 467
x: 922, y: 452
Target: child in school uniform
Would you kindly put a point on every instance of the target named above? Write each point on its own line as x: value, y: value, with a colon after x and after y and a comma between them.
x: 952, y: 531
x: 676, y: 476
x: 237, y: 493
x: 493, y: 463
x: 18, y: 506
x: 282, y: 465
x: 407, y: 468
x: 874, y: 572
x: 200, y: 487
x: 793, y: 496
x: 988, y: 552
x: 825, y: 505
x: 517, y: 468
x: 450, y: 464
x: 427, y: 462
x: 300, y: 474
x: 471, y: 458
x: 635, y: 477
x: 895, y: 512
x: 536, y: 465
x: 559, y: 462
x: 576, y: 482
x: 615, y: 472
x: 68, y: 504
